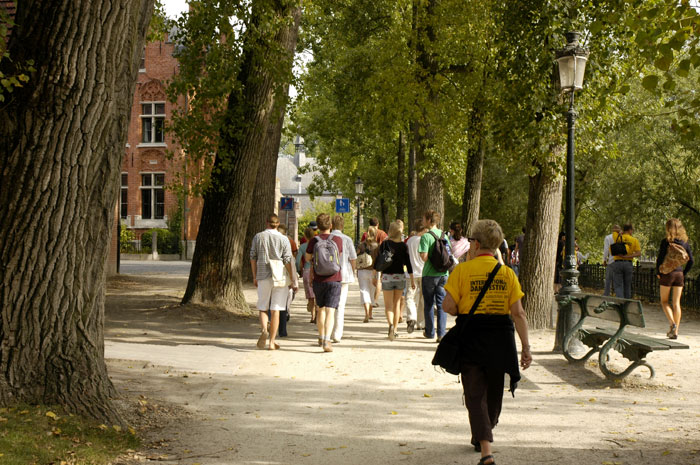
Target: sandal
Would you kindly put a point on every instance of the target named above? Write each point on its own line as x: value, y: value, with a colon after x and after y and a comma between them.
x: 484, y: 459
x: 671, y: 332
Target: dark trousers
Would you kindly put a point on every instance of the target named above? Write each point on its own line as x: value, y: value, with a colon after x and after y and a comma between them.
x: 483, y: 394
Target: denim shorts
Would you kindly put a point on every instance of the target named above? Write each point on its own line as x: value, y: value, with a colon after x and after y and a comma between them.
x: 327, y: 293
x: 393, y: 282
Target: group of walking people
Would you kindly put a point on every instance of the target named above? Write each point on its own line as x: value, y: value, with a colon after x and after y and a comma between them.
x: 409, y: 275
x: 674, y: 260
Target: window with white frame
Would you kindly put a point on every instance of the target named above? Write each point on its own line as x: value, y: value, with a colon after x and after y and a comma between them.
x: 153, y: 123
x: 152, y: 196
x: 124, y: 197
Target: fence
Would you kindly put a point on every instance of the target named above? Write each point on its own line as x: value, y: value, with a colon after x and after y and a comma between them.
x: 644, y: 283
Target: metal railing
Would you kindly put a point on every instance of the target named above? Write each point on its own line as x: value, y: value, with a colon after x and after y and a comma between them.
x: 645, y: 285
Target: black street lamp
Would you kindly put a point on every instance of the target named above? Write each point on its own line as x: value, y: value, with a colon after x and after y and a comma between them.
x: 572, y: 65
x: 359, y: 188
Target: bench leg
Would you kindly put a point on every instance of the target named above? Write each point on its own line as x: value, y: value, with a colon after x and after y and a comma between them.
x: 603, y: 363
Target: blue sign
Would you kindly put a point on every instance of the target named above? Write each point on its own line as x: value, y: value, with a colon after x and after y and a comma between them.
x: 342, y: 205
x: 287, y: 203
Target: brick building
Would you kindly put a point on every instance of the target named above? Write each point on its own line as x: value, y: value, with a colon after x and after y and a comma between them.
x: 145, y: 201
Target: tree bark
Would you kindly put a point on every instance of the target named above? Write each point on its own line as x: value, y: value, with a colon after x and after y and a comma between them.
x: 430, y: 188
x: 384, y: 215
x: 401, y: 179
x: 471, y: 201
x: 266, y: 180
x: 216, y: 274
x: 412, y: 186
x: 538, y: 254
x: 63, y: 137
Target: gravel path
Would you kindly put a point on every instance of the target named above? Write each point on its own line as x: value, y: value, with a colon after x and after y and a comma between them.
x: 219, y: 400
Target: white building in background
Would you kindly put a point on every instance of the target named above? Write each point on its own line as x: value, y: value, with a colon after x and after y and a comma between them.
x: 293, y: 184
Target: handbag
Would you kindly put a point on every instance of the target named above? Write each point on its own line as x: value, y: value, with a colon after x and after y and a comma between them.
x: 385, y: 258
x: 364, y: 259
x: 618, y: 247
x: 447, y: 354
x: 675, y: 256
x: 280, y: 277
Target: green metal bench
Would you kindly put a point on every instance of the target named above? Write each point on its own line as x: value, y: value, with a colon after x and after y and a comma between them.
x: 634, y: 347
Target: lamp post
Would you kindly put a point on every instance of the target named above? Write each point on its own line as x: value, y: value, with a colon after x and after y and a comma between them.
x: 572, y: 65
x: 359, y: 188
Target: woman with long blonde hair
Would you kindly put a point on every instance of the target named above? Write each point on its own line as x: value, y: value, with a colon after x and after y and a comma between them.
x: 675, y: 279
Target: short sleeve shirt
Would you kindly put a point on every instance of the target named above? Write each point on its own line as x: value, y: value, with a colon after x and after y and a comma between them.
x: 467, y: 279
x: 631, y: 244
x: 310, y: 250
x: 427, y: 244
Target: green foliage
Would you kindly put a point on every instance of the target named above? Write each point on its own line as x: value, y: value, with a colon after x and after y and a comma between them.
x: 126, y: 238
x: 159, y: 25
x: 221, y: 43
x: 329, y: 208
x: 168, y: 241
x: 13, y: 74
x: 47, y: 434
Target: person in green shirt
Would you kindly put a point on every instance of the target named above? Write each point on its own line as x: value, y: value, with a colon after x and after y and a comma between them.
x: 432, y: 281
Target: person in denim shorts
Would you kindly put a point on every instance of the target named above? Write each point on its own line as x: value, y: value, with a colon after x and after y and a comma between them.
x: 394, y: 277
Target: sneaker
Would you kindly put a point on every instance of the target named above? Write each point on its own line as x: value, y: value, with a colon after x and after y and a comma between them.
x: 327, y: 347
x: 410, y: 326
x: 439, y: 338
x: 262, y: 340
x: 392, y: 334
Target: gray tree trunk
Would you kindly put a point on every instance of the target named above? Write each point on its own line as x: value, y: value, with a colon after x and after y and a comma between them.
x: 540, y: 246
x: 216, y: 272
x: 471, y: 202
x: 412, y: 185
x: 62, y: 141
x: 266, y: 180
x: 401, y: 179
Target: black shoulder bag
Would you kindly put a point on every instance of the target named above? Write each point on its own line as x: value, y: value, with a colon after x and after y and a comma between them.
x: 447, y: 354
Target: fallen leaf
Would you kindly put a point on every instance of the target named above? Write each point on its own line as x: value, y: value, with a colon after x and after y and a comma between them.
x: 394, y: 413
x: 52, y: 415
x: 406, y: 452
x: 117, y: 428
x: 330, y: 448
x: 592, y: 399
x: 427, y: 395
x: 306, y: 455
x: 666, y: 452
x: 663, y: 408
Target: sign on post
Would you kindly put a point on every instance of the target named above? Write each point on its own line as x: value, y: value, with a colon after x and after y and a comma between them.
x: 342, y: 205
x: 287, y: 203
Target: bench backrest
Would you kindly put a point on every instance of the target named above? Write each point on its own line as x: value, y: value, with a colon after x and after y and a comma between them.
x: 624, y: 311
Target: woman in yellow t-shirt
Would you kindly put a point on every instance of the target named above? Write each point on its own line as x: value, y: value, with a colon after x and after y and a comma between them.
x: 488, y: 344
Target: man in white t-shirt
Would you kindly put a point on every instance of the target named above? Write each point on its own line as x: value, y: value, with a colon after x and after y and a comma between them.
x: 608, y: 258
x: 348, y: 259
x: 414, y: 296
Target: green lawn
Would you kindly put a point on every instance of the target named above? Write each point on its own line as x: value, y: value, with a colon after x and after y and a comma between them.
x: 47, y: 435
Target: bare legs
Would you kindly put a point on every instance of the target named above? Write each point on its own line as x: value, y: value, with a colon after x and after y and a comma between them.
x: 311, y: 308
x: 368, y: 312
x: 672, y: 310
x: 392, y: 308
x: 274, y: 326
x: 325, y: 320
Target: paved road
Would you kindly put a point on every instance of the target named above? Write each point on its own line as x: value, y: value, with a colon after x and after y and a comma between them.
x: 177, y: 268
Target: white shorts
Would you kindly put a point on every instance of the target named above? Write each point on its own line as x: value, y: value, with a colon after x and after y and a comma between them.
x: 271, y: 298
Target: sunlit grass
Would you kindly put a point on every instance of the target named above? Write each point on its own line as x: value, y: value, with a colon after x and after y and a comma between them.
x: 47, y: 435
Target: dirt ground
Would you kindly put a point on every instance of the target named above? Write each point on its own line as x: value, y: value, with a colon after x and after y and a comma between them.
x: 195, y: 386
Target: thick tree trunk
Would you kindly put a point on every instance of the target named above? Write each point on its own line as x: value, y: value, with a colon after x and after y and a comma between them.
x: 216, y: 273
x: 384, y: 215
x: 264, y: 194
x: 538, y: 254
x: 62, y: 141
x: 430, y: 182
x: 401, y: 179
x: 471, y: 202
x: 412, y: 185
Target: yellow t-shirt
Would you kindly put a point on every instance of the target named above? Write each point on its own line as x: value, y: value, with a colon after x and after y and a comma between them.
x: 631, y: 244
x: 467, y: 279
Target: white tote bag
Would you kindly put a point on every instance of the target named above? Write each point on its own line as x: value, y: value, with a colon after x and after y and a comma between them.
x: 280, y: 277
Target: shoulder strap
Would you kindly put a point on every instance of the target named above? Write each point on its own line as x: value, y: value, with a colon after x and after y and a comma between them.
x: 487, y: 284
x: 433, y: 234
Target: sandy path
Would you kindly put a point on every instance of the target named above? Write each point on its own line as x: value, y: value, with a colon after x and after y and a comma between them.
x: 373, y: 401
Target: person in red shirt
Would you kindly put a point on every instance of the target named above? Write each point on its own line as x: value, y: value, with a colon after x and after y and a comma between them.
x: 326, y: 287
x: 381, y: 235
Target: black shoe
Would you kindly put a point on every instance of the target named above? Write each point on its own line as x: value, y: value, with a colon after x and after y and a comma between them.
x: 410, y: 326
x: 477, y: 447
x: 438, y: 339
